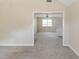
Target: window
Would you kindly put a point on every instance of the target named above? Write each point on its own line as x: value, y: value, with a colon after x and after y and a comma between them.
x: 47, y: 22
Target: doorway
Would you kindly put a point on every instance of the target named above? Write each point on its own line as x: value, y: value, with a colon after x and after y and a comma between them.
x: 49, y: 23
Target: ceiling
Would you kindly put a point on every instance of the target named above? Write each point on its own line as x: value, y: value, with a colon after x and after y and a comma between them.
x: 67, y: 2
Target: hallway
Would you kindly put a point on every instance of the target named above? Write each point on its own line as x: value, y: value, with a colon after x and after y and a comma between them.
x: 46, y: 47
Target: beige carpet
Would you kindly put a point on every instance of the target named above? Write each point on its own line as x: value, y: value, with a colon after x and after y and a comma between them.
x: 47, y: 46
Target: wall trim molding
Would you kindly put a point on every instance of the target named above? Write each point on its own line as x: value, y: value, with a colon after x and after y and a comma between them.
x: 65, y: 44
x: 72, y: 49
x: 16, y: 44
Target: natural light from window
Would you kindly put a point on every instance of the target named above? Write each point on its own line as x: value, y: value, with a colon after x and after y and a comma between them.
x: 47, y: 22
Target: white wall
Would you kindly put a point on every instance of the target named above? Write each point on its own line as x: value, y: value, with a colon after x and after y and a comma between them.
x: 59, y: 31
x: 17, y: 14
x: 35, y: 25
x: 74, y: 26
x: 60, y: 24
x: 19, y: 38
x: 66, y: 34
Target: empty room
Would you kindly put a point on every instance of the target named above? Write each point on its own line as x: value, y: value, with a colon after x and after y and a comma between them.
x: 39, y: 29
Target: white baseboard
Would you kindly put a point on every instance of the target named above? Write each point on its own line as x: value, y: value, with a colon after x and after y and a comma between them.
x: 74, y: 50
x: 65, y: 44
x: 16, y: 44
x: 71, y: 49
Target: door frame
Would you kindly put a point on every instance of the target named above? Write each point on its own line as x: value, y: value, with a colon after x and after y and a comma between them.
x: 50, y: 12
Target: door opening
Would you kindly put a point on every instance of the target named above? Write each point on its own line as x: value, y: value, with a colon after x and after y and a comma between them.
x: 49, y: 23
